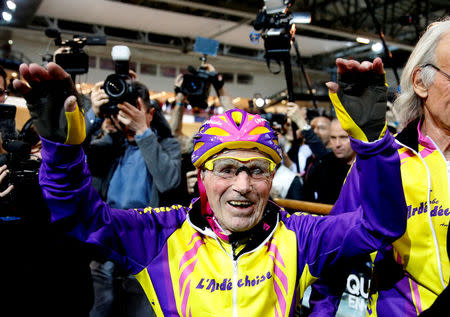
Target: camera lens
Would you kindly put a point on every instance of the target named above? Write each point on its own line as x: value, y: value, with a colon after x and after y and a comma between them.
x: 115, y: 87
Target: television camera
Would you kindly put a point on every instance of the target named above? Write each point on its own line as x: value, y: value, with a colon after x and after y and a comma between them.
x: 277, y: 28
x: 23, y: 167
x: 197, y: 83
x: 70, y: 55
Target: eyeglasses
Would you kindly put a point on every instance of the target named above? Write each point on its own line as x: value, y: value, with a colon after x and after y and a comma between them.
x: 438, y: 69
x: 228, y: 167
x: 3, y: 91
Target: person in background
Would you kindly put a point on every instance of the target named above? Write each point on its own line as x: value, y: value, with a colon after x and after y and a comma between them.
x: 321, y: 126
x: 3, y: 89
x: 314, y: 144
x: 326, y: 178
x: 135, y: 160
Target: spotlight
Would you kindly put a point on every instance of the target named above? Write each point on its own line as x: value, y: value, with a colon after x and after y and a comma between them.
x: 6, y: 16
x: 10, y: 42
x: 11, y: 5
x: 377, y: 47
x: 260, y: 102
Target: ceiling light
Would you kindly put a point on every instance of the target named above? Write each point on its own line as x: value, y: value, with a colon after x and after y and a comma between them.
x: 14, y: 74
x: 10, y: 42
x: 362, y: 40
x: 6, y: 16
x: 11, y: 5
x: 377, y: 47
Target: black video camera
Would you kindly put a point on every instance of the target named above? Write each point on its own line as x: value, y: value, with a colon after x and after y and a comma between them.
x: 71, y: 57
x: 197, y: 85
x: 277, y: 28
x: 23, y: 169
x: 119, y: 86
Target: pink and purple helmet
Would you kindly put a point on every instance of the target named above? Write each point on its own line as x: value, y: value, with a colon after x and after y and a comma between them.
x: 235, y: 129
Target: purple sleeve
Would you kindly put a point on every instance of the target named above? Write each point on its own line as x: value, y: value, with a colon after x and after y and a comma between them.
x: 376, y: 217
x: 131, y: 238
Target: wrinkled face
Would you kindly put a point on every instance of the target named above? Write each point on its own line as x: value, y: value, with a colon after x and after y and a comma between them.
x: 238, y: 203
x: 436, y: 97
x: 321, y: 127
x: 340, y: 142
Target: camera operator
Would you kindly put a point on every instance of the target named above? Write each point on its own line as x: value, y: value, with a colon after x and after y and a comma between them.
x: 186, y: 190
x: 135, y: 160
x: 38, y: 261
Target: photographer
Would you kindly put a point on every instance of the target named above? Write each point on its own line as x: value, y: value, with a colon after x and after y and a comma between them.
x: 135, y: 160
x: 38, y: 261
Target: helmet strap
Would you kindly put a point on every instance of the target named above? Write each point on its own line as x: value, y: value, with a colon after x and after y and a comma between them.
x: 202, y: 191
x: 207, y: 211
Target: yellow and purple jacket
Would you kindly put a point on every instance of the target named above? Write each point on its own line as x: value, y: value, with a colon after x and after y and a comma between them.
x: 416, y: 269
x: 185, y: 269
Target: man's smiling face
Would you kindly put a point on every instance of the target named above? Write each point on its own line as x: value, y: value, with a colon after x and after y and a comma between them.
x: 238, y: 203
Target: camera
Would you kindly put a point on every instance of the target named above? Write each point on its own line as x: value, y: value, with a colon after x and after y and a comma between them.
x: 274, y: 119
x: 197, y: 85
x: 119, y: 86
x: 277, y: 27
x: 23, y: 169
x: 71, y: 56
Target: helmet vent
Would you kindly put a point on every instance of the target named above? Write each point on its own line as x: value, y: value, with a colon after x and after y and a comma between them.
x: 237, y: 118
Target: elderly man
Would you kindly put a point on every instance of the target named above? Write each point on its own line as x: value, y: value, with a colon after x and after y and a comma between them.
x: 232, y: 252
x: 411, y: 274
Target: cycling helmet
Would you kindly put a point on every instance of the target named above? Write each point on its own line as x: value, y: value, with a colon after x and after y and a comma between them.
x: 235, y: 129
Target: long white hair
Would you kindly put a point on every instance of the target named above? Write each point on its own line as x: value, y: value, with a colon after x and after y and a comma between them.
x: 408, y: 104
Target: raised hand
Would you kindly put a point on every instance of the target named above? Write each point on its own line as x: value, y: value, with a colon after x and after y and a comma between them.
x: 296, y: 114
x: 53, y: 102
x: 360, y: 98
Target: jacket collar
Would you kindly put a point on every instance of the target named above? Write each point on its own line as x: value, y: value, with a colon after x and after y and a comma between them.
x: 409, y: 136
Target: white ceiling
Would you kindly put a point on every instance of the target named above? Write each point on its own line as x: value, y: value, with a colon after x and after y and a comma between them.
x: 133, y: 17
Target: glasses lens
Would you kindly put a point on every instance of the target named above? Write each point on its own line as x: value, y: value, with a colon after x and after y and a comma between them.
x: 227, y: 168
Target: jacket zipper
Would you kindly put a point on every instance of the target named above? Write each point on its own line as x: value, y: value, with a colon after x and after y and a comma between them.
x: 235, y: 279
x: 433, y: 233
